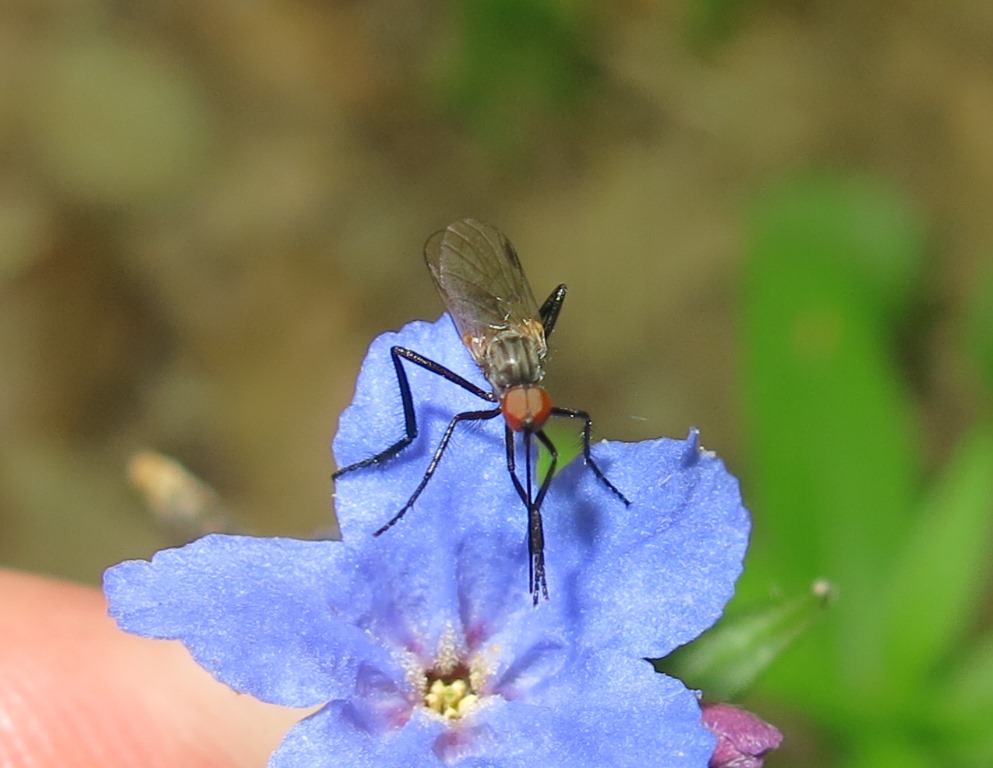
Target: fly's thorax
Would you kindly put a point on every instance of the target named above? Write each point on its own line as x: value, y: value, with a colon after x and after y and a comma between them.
x: 511, y: 356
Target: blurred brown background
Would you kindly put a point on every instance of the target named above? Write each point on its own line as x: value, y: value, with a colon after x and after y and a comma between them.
x: 208, y: 210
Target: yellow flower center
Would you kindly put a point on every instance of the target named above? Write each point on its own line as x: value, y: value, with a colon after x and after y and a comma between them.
x: 451, y: 696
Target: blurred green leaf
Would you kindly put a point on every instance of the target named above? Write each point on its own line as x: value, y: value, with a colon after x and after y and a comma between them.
x: 981, y: 328
x: 517, y: 65
x: 830, y: 424
x: 712, y: 21
x: 860, y: 228
x: 968, y: 691
x: 726, y: 660
x: 937, y: 583
x: 567, y: 438
x: 888, y: 749
x: 964, y: 704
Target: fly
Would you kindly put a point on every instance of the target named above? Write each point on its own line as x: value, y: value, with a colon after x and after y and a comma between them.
x: 482, y: 284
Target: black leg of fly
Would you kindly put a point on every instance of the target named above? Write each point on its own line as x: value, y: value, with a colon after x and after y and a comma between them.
x: 549, y: 311
x: 433, y: 464
x: 536, y: 540
x: 572, y: 413
x: 536, y: 534
x: 398, y: 354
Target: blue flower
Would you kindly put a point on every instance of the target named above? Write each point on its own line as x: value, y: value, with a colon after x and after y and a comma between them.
x: 422, y: 645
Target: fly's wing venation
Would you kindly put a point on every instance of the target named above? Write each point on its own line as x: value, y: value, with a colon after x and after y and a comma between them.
x: 480, y: 279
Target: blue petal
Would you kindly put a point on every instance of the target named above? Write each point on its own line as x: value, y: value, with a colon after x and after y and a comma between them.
x: 270, y: 617
x: 652, y: 576
x: 605, y: 710
x: 292, y: 621
x: 429, y: 576
x: 335, y: 737
x: 432, y: 582
x: 472, y: 473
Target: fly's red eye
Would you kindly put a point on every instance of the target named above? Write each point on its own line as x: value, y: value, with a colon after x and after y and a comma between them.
x: 526, y: 408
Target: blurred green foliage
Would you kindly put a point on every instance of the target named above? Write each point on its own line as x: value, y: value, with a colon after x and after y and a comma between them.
x: 900, y: 672
x: 519, y: 66
x: 711, y: 21
x: 727, y: 661
x: 980, y: 339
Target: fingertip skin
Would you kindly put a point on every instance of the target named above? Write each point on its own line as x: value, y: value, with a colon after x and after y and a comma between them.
x: 75, y: 690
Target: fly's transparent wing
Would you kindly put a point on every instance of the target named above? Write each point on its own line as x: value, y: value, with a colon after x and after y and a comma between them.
x: 480, y: 280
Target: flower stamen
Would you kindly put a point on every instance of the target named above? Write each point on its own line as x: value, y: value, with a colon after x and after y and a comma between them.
x: 450, y: 694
